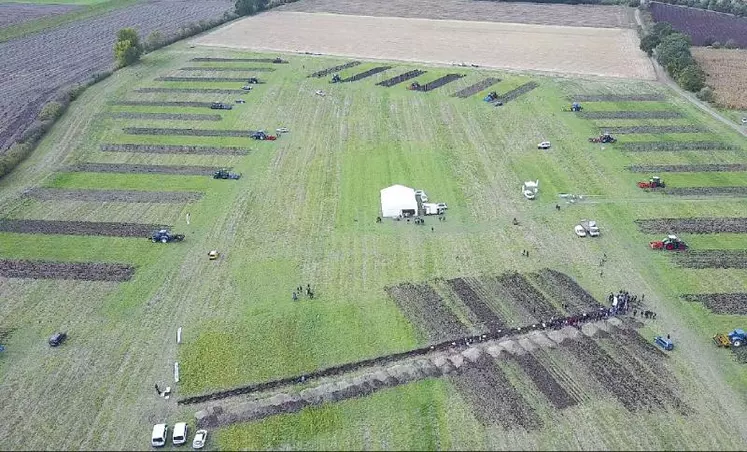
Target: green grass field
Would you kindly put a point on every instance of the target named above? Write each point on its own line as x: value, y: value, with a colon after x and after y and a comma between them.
x: 304, y: 212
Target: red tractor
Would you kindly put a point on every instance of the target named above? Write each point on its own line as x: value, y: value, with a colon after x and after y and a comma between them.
x: 655, y: 182
x: 414, y: 86
x: 671, y: 243
x: 603, y: 138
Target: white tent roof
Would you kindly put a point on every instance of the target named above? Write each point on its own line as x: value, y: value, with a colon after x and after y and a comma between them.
x: 397, y: 198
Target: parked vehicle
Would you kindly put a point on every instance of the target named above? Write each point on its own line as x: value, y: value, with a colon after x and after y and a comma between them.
x: 180, y: 434
x: 158, y: 437
x: 200, y: 439
x: 57, y: 339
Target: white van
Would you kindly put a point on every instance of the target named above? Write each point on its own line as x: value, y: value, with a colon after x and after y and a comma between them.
x: 180, y: 433
x: 160, y: 433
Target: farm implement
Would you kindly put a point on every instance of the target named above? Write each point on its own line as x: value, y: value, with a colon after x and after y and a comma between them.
x: 262, y: 136
x: 654, y: 182
x: 165, y: 236
x: 225, y: 174
x: 670, y: 243
x: 574, y: 107
x: 603, y: 138
x: 736, y: 338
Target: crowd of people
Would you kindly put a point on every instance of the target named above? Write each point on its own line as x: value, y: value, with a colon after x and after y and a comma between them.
x: 300, y: 292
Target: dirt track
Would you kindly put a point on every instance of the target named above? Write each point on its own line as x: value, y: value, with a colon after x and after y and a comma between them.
x: 79, y: 228
x: 87, y: 271
x: 515, y: 46
x: 53, y: 194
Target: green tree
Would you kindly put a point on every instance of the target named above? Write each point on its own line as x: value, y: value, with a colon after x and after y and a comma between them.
x: 691, y: 78
x: 674, y: 49
x: 130, y: 34
x: 249, y: 7
x: 705, y: 94
x: 128, y: 48
x: 649, y: 43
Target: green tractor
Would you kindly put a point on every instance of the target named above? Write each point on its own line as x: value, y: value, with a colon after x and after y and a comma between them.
x: 225, y: 174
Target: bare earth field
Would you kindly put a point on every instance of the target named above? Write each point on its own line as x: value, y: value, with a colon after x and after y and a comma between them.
x: 486, y: 11
x: 15, y: 13
x: 727, y: 74
x: 513, y: 46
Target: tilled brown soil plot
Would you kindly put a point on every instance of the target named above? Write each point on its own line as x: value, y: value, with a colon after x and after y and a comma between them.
x: 34, y: 67
x: 673, y: 146
x: 87, y: 271
x: 148, y: 103
x: 663, y: 114
x: 721, y: 303
x: 707, y: 191
x: 688, y: 128
x: 173, y: 149
x: 54, y: 194
x: 701, y: 168
x: 617, y: 97
x: 202, y: 79
x: 477, y: 87
x: 189, y: 132
x: 16, y: 13
x: 242, y: 60
x: 711, y: 259
x: 80, y: 228
x: 693, y: 225
x: 166, y: 116
x: 226, y: 69
x: 191, y: 90
x: 123, y: 168
x: 523, y: 13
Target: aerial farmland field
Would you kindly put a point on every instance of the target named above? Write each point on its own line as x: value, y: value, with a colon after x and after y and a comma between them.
x: 485, y: 329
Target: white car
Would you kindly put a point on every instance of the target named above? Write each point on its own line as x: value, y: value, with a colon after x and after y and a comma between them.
x: 200, y: 439
x: 158, y: 437
x: 744, y: 120
x: 180, y: 433
x: 442, y: 205
x: 580, y: 231
x: 544, y: 145
x: 246, y: 88
x: 282, y: 130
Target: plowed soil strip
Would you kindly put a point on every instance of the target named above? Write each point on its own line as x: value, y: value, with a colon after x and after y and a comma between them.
x: 166, y: 197
x: 439, y: 82
x: 555, y: 393
x: 337, y: 68
x: 688, y: 128
x: 674, y: 146
x: 477, y: 305
x: 226, y: 69
x: 369, y: 73
x: 516, y: 92
x: 693, y: 225
x: 707, y: 191
x: 555, y: 282
x: 617, y: 98
x: 86, y: 271
x: 148, y: 103
x: 477, y: 87
x: 425, y: 309
x: 711, y: 259
x: 202, y: 79
x: 241, y: 60
x: 523, y: 292
x: 495, y: 400
x: 663, y: 114
x: 186, y: 132
x: 401, y: 78
x: 166, y: 116
x: 173, y: 149
x: 79, y: 228
x: 182, y: 170
x: 702, y: 168
x: 191, y: 90
x: 721, y: 303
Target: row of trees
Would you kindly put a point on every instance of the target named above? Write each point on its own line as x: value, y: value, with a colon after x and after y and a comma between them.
x: 672, y: 51
x: 736, y: 7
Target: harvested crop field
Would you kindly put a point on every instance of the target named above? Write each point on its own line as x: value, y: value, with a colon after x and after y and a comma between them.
x: 54, y: 194
x: 693, y: 225
x: 86, y: 271
x: 721, y: 303
x: 123, y: 168
x: 490, y: 11
x: 191, y: 90
x: 148, y: 103
x: 674, y: 146
x: 689, y: 128
x: 618, y: 98
x: 16, y: 13
x: 516, y: 46
x: 477, y: 87
x: 173, y: 149
x: 664, y: 114
x: 701, y: 168
x: 712, y: 259
x: 166, y: 116
x: 73, y: 52
x: 79, y: 228
x: 186, y: 132
x: 726, y: 72
x: 707, y: 191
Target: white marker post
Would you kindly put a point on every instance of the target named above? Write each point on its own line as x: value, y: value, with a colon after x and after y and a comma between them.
x: 176, y: 372
x: 179, y: 335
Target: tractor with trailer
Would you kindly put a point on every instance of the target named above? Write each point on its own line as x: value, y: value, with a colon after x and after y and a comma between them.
x: 225, y: 174
x: 165, y: 236
x: 654, y: 182
x: 603, y: 138
x: 574, y: 107
x: 671, y: 243
x: 252, y: 81
x: 262, y: 136
x: 736, y: 338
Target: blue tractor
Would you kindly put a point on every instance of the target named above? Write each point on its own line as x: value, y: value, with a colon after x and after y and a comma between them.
x: 664, y: 343
x: 165, y: 236
x: 736, y: 338
x: 491, y: 97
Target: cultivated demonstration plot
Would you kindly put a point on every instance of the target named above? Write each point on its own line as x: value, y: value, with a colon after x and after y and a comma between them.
x: 202, y: 79
x: 148, y: 103
x: 86, y: 271
x: 241, y: 60
x: 366, y: 74
x: 123, y: 168
x: 401, y: 78
x: 674, y: 146
x: 439, y: 82
x: 187, y: 132
x: 692, y: 225
x: 191, y: 90
x: 712, y: 259
x: 721, y: 303
x: 338, y: 68
x: 700, y: 168
x: 662, y: 114
x: 707, y: 191
x: 166, y: 197
x: 166, y: 116
x: 173, y: 149
x: 80, y: 228
x: 516, y: 92
x: 477, y: 87
x: 226, y: 69
x: 618, y: 98
x: 688, y: 128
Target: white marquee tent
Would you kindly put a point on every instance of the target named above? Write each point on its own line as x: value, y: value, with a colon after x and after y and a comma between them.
x: 398, y: 200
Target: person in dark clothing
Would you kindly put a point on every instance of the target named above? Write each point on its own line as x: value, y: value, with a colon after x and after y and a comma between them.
x: 295, y: 296
x: 158, y: 391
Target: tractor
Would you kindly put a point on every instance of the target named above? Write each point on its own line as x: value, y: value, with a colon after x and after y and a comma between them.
x: 225, y: 174
x: 262, y: 136
x: 603, y: 138
x: 164, y: 236
x: 670, y: 243
x: 492, y: 96
x: 336, y: 78
x: 220, y: 106
x: 574, y: 107
x: 654, y: 182
x: 252, y: 81
x: 736, y: 338
x: 414, y: 86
